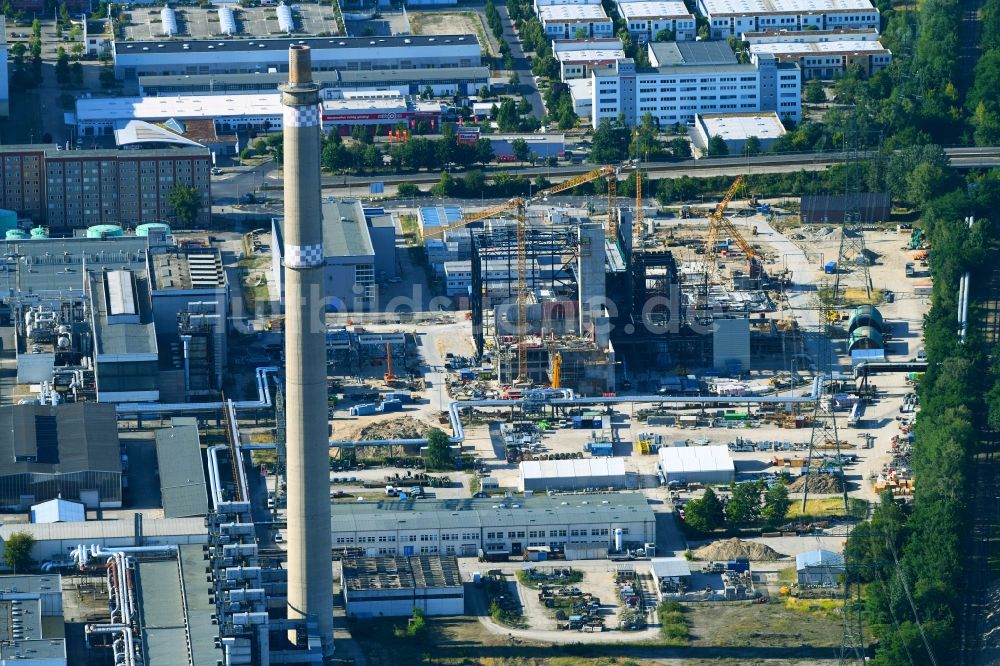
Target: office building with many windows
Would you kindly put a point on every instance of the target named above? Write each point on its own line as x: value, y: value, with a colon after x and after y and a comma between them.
x: 828, y: 59
x: 691, y: 78
x: 567, y: 21
x: 734, y: 17
x: 645, y: 18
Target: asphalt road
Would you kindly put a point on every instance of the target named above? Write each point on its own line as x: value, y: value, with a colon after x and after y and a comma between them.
x: 521, y: 65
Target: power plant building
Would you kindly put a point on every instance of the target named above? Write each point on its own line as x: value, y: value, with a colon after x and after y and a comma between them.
x: 502, y: 527
x: 357, y: 249
x: 69, y: 451
x: 392, y: 586
x: 249, y: 56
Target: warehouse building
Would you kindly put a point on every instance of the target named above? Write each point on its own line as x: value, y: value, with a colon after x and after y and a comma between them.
x: 566, y: 21
x: 249, y: 56
x: 646, y: 18
x: 828, y: 59
x: 734, y: 17
x: 497, y: 527
x: 579, y: 474
x: 72, y: 189
x: 691, y: 78
x: 672, y: 575
x: 541, y: 146
x: 393, y: 586
x: 442, y: 81
x: 819, y: 567
x: 578, y: 56
x: 736, y: 128
x: 69, y: 451
x: 696, y: 464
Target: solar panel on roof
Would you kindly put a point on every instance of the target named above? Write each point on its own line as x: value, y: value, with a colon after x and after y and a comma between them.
x: 46, y: 439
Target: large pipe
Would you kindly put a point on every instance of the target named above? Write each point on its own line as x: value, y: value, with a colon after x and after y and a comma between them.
x: 310, y: 578
x: 153, y: 408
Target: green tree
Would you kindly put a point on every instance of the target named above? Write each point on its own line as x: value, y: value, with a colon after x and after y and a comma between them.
x: 63, y: 75
x: 704, y: 514
x: 17, y: 551
x: 814, y: 92
x: 776, y: 504
x: 645, y: 144
x: 752, y: 146
x: 445, y: 185
x: 680, y: 149
x: 717, y: 147
x: 580, y: 33
x: 665, y: 35
x: 76, y: 74
x: 407, y: 190
x: 484, y: 92
x: 609, y: 144
x: 508, y: 119
x: 185, y: 202
x: 744, y: 506
x: 474, y: 182
x: 107, y: 77
x: 515, y: 80
x: 484, y: 151
x: 520, y: 148
x: 437, y: 456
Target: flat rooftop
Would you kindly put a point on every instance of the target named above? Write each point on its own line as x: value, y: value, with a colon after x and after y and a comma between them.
x: 55, y: 266
x: 765, y: 36
x: 66, y: 438
x: 182, y: 475
x: 99, y: 530
x: 653, y: 9
x: 173, y: 268
x: 22, y: 635
x: 590, y: 55
x: 279, y: 47
x: 394, y: 572
x: 345, y: 231
x: 736, y: 126
x: 186, y: 106
x: 127, y: 338
x: 571, y: 13
x: 327, y: 79
x: 560, y: 45
x: 691, y: 54
x: 819, y: 48
x: 763, y: 7
x: 393, y: 515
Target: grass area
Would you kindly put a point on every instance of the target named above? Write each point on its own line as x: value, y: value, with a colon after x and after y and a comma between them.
x: 673, y: 623
x: 474, y: 485
x: 744, y: 624
x: 787, y: 576
x: 254, y: 262
x: 264, y: 457
x: 824, y: 608
x: 826, y: 507
x: 410, y: 230
x: 536, y: 582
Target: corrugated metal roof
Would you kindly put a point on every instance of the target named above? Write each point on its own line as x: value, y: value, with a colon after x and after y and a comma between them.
x: 97, y: 530
x: 182, y: 475
x: 581, y: 467
x: 163, y: 612
x: 678, y: 460
x: 85, y: 434
x: 819, y: 558
x: 669, y: 567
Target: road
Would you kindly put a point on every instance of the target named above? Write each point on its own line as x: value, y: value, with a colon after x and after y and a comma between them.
x: 237, y: 181
x: 521, y: 65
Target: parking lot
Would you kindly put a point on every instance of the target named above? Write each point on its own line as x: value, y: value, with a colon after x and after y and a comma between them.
x: 144, y: 23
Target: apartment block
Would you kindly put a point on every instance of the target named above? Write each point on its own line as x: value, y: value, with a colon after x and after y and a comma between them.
x: 564, y: 21
x: 734, y: 17
x: 70, y: 189
x: 691, y: 78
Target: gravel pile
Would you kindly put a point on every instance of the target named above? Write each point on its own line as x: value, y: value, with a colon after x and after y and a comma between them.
x: 730, y: 549
x: 401, y: 427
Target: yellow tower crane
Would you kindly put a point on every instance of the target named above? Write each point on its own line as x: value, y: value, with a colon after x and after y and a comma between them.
x: 718, y: 223
x: 556, y: 370
x: 518, y: 206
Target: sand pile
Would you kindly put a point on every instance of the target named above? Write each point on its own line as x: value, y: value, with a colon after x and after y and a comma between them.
x: 401, y: 427
x: 730, y: 549
x: 821, y: 484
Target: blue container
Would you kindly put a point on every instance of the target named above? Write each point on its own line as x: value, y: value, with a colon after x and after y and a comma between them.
x: 390, y: 406
x: 366, y: 409
x: 830, y: 268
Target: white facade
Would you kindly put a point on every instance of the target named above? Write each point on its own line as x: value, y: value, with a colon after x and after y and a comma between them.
x: 55, y: 540
x: 548, y: 3
x: 263, y: 55
x: 697, y: 464
x: 645, y: 18
x: 811, y: 36
x: 582, y: 93
x: 563, y: 21
x: 677, y: 94
x: 825, y: 60
x: 734, y: 17
x: 507, y: 526
x: 578, y: 56
x: 579, y: 474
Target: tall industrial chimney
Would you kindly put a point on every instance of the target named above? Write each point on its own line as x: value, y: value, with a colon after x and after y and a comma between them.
x: 310, y: 580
